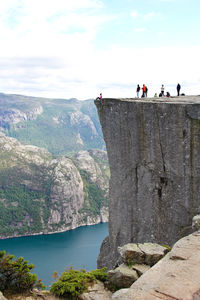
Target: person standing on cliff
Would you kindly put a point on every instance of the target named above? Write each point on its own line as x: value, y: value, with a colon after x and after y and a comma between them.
x: 178, y: 89
x: 138, y: 91
x: 162, y: 90
x: 146, y: 91
x: 143, y: 91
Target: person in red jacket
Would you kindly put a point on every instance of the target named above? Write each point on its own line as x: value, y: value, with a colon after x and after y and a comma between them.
x: 144, y: 90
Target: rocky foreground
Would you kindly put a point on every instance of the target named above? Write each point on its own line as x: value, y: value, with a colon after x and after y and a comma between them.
x: 176, y: 276
x: 148, y: 272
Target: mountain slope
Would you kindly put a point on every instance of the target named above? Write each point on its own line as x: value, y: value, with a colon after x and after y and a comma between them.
x: 41, y: 194
x: 59, y: 125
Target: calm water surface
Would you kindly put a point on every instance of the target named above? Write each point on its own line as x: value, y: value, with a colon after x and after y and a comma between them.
x: 78, y: 248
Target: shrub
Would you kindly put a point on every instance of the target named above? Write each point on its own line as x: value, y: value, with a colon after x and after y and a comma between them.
x: 100, y: 274
x: 72, y: 283
x: 15, y: 275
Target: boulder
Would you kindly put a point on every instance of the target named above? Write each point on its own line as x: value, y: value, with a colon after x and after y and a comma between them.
x: 176, y: 276
x: 140, y: 269
x: 96, y: 292
x: 131, y: 253
x: 119, y: 295
x: 147, y: 253
x: 35, y: 295
x: 122, y: 277
x: 2, y: 296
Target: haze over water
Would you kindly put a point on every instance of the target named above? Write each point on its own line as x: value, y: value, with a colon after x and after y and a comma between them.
x: 55, y: 252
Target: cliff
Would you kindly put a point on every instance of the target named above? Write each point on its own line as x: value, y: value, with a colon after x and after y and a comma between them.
x: 153, y: 150
x: 41, y: 194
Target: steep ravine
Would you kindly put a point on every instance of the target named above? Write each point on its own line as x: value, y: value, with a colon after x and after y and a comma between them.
x: 153, y: 150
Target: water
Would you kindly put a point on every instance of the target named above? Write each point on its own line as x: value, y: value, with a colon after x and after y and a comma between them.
x: 78, y: 248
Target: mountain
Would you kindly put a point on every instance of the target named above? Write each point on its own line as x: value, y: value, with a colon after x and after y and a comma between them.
x: 43, y: 194
x: 61, y: 126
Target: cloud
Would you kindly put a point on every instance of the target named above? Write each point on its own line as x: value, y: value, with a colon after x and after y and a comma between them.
x: 134, y: 14
x: 141, y: 29
x: 48, y: 26
x: 114, y: 72
x: 48, y: 48
x: 167, y: 0
x: 151, y: 15
x: 145, y: 17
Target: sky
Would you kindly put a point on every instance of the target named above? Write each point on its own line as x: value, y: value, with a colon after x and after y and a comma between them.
x: 81, y: 48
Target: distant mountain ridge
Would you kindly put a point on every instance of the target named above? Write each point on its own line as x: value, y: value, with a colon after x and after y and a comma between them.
x: 59, y: 125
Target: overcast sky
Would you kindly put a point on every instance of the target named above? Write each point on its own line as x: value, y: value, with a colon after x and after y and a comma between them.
x: 79, y: 48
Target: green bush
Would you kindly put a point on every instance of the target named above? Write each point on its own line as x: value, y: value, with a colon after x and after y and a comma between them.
x: 15, y: 275
x: 100, y: 274
x: 72, y: 283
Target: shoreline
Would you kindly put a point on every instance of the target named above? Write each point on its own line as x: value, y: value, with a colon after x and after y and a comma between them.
x: 48, y: 233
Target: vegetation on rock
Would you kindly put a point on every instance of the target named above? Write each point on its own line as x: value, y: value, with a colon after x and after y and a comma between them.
x: 72, y: 282
x: 16, y: 276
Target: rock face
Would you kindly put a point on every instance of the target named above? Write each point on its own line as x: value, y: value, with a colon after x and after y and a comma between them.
x: 14, y: 116
x: 173, y: 277
x: 96, y: 292
x: 147, y: 253
x: 41, y: 194
x: 122, y: 276
x: 137, y: 258
x: 153, y: 150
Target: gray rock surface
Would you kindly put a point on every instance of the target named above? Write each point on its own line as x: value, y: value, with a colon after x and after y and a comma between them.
x: 120, y: 294
x: 122, y: 277
x: 137, y: 258
x: 176, y: 276
x: 39, y: 295
x: 147, y: 253
x: 153, y: 151
x: 96, y: 292
x: 196, y: 222
x: 2, y: 296
x: 140, y: 269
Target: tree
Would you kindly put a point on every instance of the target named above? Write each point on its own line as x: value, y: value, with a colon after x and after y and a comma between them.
x: 15, y: 274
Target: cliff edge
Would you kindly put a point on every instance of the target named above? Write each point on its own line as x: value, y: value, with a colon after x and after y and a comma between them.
x: 153, y: 149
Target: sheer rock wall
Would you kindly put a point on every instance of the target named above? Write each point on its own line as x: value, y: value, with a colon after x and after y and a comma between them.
x: 154, y: 155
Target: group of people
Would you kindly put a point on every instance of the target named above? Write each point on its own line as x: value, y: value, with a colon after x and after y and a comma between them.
x: 161, y: 94
x: 144, y: 91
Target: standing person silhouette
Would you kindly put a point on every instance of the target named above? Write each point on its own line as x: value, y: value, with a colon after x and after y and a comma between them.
x: 138, y: 91
x: 162, y: 90
x: 146, y: 91
x: 178, y: 89
x: 143, y: 90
